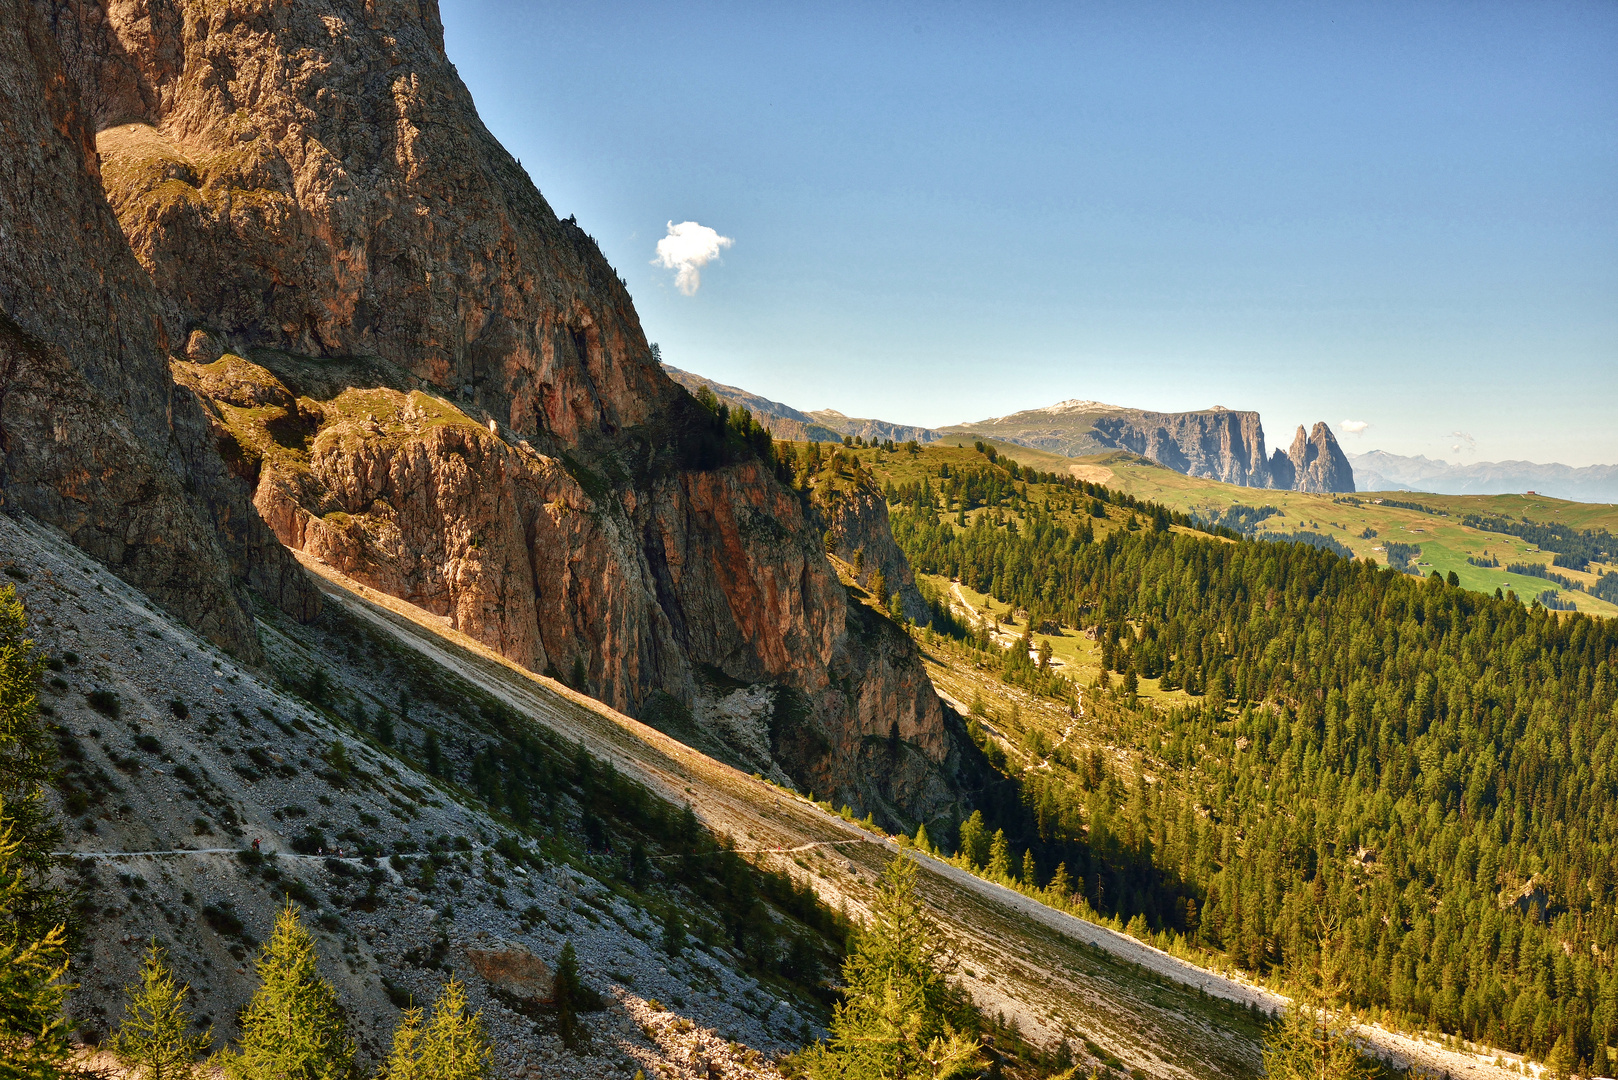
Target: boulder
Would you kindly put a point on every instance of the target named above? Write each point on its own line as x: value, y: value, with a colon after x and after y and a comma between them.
x: 511, y: 967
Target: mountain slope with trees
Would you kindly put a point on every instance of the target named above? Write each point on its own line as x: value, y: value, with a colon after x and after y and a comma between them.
x: 1429, y: 768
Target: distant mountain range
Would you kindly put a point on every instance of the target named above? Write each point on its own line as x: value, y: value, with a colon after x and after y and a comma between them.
x: 1378, y: 470
x: 1218, y: 443
x: 785, y: 422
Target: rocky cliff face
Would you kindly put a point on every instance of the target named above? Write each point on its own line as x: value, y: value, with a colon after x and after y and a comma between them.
x: 632, y: 592
x: 1220, y: 444
x: 426, y: 379
x: 314, y: 178
x: 1318, y: 463
x: 857, y: 523
x: 95, y: 441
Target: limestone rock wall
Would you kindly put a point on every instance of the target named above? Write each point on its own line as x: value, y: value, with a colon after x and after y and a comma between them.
x: 1318, y: 463
x: 94, y: 440
x: 313, y: 177
x: 1220, y: 444
x: 857, y: 518
x: 416, y: 372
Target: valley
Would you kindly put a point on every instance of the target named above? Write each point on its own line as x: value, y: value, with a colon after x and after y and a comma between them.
x: 1058, y: 978
x: 385, y: 626
x: 1135, y: 795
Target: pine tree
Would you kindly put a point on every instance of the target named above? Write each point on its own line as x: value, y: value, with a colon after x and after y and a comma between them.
x: 293, y: 1029
x: 451, y: 1046
x: 153, y: 1037
x: 33, y: 1034
x: 33, y: 934
x: 566, y: 993
x: 922, y: 840
x: 974, y: 849
x: 899, y: 1016
x: 1061, y: 887
x: 999, y: 857
x: 1030, y: 870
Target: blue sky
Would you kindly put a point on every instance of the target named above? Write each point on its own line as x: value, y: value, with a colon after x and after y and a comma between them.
x: 1403, y: 213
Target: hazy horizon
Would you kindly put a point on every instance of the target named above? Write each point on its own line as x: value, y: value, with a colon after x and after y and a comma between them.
x: 1402, y: 217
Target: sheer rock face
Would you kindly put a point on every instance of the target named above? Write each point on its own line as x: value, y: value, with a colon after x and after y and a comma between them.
x: 94, y: 439
x: 857, y: 519
x: 313, y: 177
x: 623, y: 590
x: 1283, y: 473
x: 1318, y: 463
x: 309, y: 185
x: 1219, y: 444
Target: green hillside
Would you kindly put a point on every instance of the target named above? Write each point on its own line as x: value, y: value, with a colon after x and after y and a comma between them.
x: 1438, y: 530
x: 1269, y: 755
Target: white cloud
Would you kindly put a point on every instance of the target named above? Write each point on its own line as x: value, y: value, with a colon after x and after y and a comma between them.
x: 1355, y: 427
x: 687, y: 249
x: 1464, y: 441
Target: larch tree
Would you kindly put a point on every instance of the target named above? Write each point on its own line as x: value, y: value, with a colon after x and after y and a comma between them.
x: 452, y: 1045
x: 1313, y: 1041
x: 293, y: 1029
x: 900, y: 1017
x: 33, y: 1034
x: 33, y: 934
x: 999, y: 857
x: 155, y: 1041
x: 1030, y: 870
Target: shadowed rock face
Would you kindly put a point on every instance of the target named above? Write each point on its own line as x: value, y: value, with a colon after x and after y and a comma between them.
x: 95, y: 440
x: 449, y: 395
x: 857, y: 521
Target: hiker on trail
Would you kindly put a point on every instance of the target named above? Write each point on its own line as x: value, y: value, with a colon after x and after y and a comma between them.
x: 255, y: 843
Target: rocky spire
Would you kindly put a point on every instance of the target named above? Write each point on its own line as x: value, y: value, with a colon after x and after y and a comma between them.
x: 1318, y: 463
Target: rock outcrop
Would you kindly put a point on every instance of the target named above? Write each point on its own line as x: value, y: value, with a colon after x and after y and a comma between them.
x: 1283, y: 473
x: 628, y: 591
x: 1318, y: 463
x: 419, y: 374
x: 95, y: 440
x: 857, y: 524
x: 512, y: 968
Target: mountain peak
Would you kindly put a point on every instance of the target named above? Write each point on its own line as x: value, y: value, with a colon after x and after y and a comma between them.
x: 1080, y: 405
